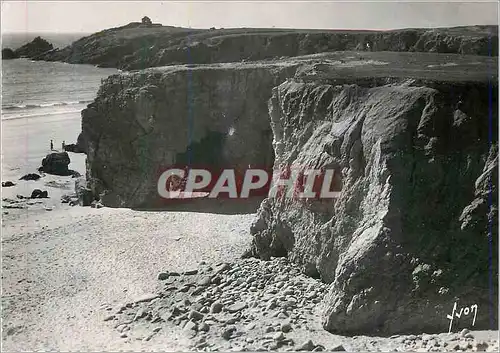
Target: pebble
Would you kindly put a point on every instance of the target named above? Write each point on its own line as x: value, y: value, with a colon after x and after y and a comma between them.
x: 278, y: 336
x: 109, y: 318
x: 195, y: 315
x: 228, y: 332
x: 338, y: 348
x: 464, y: 332
x: 306, y: 346
x: 205, y: 281
x: 286, y: 327
x: 190, y: 325
x: 237, y: 307
x: 145, y: 298
x: 163, y: 276
x: 204, y: 327
x: 216, y: 307
x: 190, y: 272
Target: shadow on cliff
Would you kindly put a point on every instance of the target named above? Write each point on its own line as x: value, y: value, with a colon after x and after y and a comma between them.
x: 218, y: 206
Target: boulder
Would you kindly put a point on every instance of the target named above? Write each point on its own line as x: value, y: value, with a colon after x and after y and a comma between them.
x: 39, y: 194
x: 6, y: 184
x: 30, y: 176
x: 56, y: 163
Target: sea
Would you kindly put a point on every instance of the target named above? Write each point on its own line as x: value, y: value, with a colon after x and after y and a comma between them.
x: 42, y: 101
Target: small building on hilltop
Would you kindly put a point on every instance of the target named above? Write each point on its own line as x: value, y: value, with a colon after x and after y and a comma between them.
x: 146, y: 21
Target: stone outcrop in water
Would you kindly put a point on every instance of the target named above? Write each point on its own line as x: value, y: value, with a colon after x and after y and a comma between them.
x: 34, y: 48
x: 138, y: 46
x: 408, y: 133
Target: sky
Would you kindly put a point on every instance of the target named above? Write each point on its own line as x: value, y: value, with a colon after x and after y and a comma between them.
x: 93, y: 16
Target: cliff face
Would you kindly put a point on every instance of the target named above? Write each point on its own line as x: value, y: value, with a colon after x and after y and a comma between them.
x: 137, y: 47
x: 143, y: 122
x: 408, y: 235
x: 408, y: 134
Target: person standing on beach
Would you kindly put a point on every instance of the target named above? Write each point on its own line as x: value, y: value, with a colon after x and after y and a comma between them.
x: 51, y: 145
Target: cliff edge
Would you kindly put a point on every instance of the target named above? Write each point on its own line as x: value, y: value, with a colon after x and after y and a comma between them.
x: 136, y: 46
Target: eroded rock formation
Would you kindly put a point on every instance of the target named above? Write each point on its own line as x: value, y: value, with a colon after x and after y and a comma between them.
x: 409, y: 234
x: 34, y: 48
x: 408, y: 133
x: 214, y: 117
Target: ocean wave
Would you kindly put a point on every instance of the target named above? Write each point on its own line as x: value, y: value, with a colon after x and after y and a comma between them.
x: 42, y: 105
x: 38, y: 115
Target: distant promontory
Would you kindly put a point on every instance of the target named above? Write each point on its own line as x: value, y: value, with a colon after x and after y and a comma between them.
x: 30, y: 50
x: 140, y: 45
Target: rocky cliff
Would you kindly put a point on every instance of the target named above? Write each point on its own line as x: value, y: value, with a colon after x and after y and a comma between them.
x: 136, y: 46
x: 411, y: 135
x: 408, y: 235
x: 143, y: 122
x: 34, y: 48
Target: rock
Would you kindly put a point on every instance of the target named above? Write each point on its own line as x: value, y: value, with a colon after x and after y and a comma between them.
x: 190, y: 326
x: 139, y: 315
x: 481, y: 346
x: 34, y: 48
x: 96, y: 204
x: 84, y: 194
x: 79, y: 147
x: 306, y: 346
x: 464, y: 332
x: 278, y: 336
x: 8, y: 54
x: 56, y: 163
x: 195, y: 315
x: 228, y: 332
x: 286, y: 327
x: 216, y: 307
x: 39, y: 194
x: 117, y: 47
x: 236, y: 307
x: 109, y: 318
x: 146, y: 298
x: 81, y: 143
x: 205, y: 281
x: 30, y: 176
x: 204, y: 327
x: 338, y: 348
x: 360, y: 152
x: 190, y: 272
x: 221, y: 268
x: 6, y: 184
x: 163, y: 276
